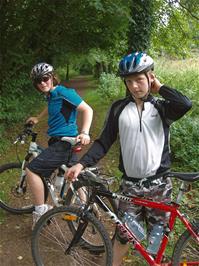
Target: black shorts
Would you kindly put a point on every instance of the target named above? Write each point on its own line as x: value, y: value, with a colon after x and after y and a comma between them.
x: 58, y: 153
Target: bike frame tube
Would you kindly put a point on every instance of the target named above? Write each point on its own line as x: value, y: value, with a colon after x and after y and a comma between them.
x: 173, y: 209
x: 174, y: 213
x: 188, y: 225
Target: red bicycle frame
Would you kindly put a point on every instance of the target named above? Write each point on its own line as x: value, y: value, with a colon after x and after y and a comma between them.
x: 174, y: 213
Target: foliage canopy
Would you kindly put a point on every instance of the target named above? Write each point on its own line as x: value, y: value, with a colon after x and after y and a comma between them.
x: 90, y: 36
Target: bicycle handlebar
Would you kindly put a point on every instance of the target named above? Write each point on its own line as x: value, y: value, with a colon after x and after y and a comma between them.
x: 93, y: 176
x: 27, y: 131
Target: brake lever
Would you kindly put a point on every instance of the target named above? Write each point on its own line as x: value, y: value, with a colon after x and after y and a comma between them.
x: 20, y: 138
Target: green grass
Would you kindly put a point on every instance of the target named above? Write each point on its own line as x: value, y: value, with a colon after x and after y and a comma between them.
x: 182, y: 75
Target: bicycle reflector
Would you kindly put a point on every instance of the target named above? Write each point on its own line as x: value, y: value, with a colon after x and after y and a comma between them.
x: 77, y: 149
x: 70, y: 217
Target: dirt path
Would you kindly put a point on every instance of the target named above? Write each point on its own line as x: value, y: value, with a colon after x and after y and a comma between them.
x: 15, y: 231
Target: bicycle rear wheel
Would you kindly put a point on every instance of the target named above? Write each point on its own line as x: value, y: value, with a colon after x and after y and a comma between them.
x: 15, y: 199
x: 78, y: 199
x: 52, y: 236
x: 186, y: 251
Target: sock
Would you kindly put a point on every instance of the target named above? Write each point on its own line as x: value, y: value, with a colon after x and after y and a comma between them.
x: 41, y: 209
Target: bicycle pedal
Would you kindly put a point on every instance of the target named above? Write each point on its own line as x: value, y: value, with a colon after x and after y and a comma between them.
x: 135, y: 253
x: 166, y: 260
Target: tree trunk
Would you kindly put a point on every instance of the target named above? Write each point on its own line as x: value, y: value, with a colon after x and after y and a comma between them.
x: 140, y: 28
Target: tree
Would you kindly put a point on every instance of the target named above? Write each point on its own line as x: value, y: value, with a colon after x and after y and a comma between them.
x: 176, y: 30
x: 33, y: 31
x: 141, y: 25
x: 159, y: 26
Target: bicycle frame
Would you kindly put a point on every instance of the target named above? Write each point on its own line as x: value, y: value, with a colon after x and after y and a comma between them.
x: 172, y: 208
x: 33, y: 151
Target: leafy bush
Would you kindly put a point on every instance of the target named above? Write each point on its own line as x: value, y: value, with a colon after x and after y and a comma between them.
x: 185, y: 144
x: 183, y: 75
x: 110, y: 87
x: 180, y: 74
x: 18, y: 97
x: 18, y: 101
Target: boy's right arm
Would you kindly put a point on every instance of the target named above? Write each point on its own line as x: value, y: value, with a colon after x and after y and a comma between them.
x: 36, y: 119
x: 99, y: 148
x: 73, y: 172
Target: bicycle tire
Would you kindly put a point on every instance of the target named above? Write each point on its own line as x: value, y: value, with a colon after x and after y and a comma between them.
x: 52, y: 236
x: 186, y: 249
x: 72, y: 199
x: 10, y: 199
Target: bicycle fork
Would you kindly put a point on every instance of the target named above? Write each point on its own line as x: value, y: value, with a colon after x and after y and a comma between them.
x: 78, y: 234
x: 20, y: 188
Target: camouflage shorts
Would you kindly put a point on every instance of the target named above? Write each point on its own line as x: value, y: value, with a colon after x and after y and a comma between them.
x: 158, y: 190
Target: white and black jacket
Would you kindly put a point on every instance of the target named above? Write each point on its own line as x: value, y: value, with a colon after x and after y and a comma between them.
x: 144, y: 138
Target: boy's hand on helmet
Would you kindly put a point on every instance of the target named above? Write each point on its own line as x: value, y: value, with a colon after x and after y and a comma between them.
x: 34, y: 120
x: 156, y: 85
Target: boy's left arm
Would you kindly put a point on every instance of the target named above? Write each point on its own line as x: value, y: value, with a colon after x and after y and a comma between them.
x: 176, y: 104
x: 87, y: 116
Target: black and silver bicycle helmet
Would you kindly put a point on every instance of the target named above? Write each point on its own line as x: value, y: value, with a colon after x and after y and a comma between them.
x: 40, y: 70
x: 137, y: 62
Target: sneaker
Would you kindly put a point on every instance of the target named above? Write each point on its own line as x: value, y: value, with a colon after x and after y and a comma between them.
x: 36, y: 215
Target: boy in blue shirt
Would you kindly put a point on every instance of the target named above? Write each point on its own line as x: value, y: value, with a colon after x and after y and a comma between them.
x: 63, y: 106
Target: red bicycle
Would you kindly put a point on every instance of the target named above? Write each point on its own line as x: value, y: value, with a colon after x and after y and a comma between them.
x: 185, y: 252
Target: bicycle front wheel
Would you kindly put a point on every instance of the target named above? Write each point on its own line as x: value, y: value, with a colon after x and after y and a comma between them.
x: 52, y: 236
x: 79, y: 198
x: 15, y: 197
x: 186, y: 251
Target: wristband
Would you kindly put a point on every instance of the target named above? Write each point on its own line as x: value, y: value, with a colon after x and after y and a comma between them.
x: 85, y: 133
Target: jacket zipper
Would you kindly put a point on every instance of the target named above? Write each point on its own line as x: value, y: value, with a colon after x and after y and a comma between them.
x: 140, y: 116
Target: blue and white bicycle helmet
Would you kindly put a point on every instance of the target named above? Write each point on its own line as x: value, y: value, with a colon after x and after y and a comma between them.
x: 40, y: 70
x: 137, y: 62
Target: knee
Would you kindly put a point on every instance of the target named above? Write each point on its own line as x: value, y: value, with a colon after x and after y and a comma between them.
x: 28, y: 172
x: 31, y: 176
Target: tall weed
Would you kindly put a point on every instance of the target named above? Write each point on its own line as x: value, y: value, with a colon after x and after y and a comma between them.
x: 110, y: 87
x: 18, y: 101
x: 184, y: 76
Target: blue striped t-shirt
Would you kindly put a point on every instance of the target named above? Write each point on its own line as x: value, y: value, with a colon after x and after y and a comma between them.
x: 62, y: 111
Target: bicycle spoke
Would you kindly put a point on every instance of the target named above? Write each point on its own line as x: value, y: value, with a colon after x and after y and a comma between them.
x: 190, y: 252
x: 78, y: 198
x: 14, y: 199
x: 52, y: 237
x: 186, y: 250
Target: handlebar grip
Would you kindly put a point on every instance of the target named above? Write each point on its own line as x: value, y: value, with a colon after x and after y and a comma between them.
x: 29, y: 125
x: 27, y: 131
